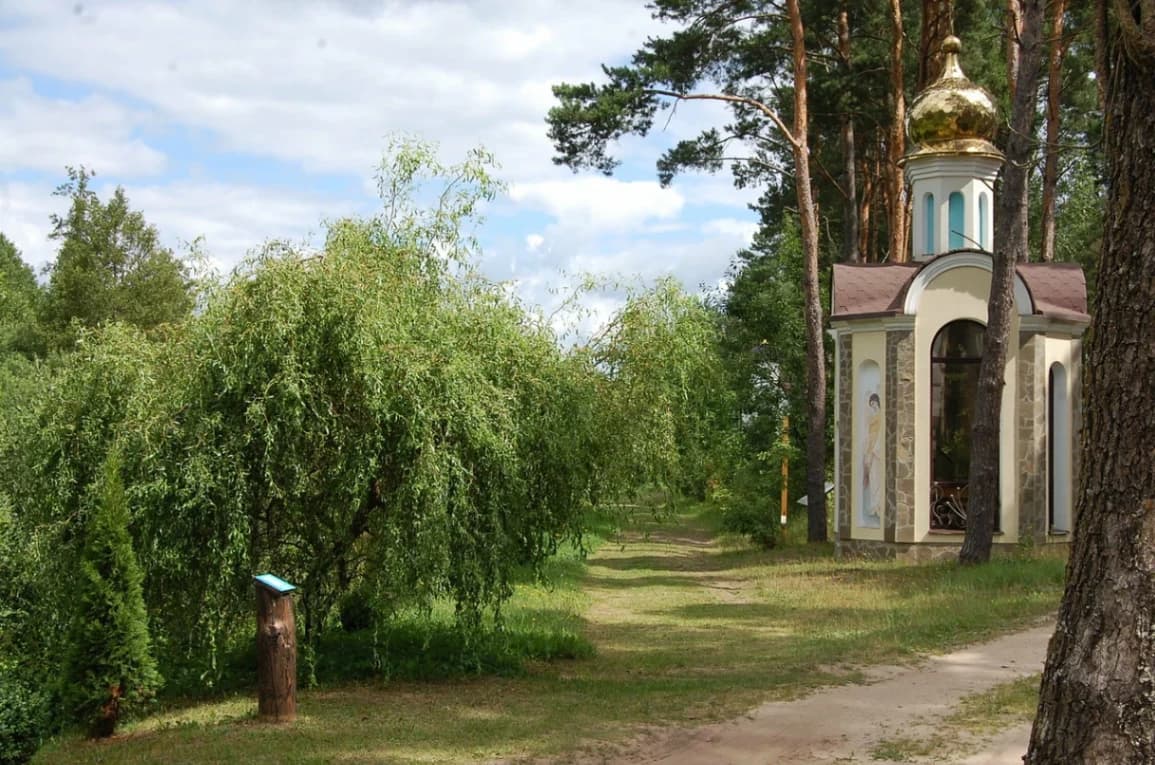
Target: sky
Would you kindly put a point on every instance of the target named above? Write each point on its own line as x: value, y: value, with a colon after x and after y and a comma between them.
x: 244, y: 121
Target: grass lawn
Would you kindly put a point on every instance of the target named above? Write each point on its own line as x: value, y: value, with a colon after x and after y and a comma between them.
x: 687, y: 628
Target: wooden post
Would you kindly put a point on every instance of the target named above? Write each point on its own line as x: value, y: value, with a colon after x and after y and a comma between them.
x: 276, y: 650
x: 785, y: 469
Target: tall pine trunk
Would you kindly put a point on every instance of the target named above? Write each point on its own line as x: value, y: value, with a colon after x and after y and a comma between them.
x: 937, y: 25
x: 850, y: 251
x: 815, y: 350
x: 896, y: 143
x: 1097, y: 702
x: 1010, y: 247
x: 1054, y: 96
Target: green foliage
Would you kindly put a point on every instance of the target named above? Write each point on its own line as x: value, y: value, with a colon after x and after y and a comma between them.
x: 748, y: 505
x: 20, y: 298
x: 111, y: 267
x: 667, y: 394
x: 110, y: 669
x: 24, y: 719
x: 374, y: 422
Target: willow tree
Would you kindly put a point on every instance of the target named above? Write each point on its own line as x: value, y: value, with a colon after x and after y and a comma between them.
x: 1095, y: 704
x: 726, y: 53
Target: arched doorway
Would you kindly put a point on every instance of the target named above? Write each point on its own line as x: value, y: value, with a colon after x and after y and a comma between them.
x: 955, y: 356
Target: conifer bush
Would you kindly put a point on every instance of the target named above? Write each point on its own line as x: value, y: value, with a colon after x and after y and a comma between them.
x: 110, y: 668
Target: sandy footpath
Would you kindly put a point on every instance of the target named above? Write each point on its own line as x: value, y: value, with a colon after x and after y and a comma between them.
x: 843, y: 724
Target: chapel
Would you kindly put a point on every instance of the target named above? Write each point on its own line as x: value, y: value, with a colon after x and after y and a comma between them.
x: 908, y: 339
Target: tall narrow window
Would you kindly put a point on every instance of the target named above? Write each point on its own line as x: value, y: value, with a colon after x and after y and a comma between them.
x: 1058, y: 451
x: 957, y: 216
x: 928, y: 246
x: 955, y: 356
x: 983, y: 222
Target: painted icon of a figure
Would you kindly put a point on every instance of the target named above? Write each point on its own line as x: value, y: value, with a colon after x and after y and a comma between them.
x: 872, y: 462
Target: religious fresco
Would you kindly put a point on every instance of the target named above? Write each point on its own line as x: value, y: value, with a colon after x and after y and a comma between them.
x: 871, y: 494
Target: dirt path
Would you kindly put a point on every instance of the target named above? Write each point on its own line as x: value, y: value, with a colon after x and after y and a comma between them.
x: 843, y: 724
x: 839, y: 724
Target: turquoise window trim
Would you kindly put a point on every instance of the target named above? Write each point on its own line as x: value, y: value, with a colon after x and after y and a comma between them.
x: 956, y: 214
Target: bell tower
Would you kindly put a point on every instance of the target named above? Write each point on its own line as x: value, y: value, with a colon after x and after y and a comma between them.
x: 953, y: 164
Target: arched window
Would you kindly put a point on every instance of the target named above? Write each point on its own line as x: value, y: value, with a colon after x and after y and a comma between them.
x: 983, y: 222
x: 1058, y: 451
x: 957, y: 217
x: 928, y: 245
x: 955, y: 356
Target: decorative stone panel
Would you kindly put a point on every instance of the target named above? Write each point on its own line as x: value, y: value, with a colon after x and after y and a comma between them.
x: 845, y: 433
x: 898, y: 523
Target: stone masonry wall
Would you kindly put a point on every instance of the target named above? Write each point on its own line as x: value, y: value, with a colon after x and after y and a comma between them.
x: 900, y: 402
x: 845, y: 433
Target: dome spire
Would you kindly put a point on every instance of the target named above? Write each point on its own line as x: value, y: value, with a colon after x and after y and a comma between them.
x: 952, y: 115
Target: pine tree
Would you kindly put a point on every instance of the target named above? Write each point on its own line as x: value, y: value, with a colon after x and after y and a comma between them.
x: 110, y: 666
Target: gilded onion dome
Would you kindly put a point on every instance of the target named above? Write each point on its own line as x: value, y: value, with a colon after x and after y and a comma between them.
x: 952, y: 115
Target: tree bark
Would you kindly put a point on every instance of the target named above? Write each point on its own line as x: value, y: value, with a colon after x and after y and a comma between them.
x: 937, y: 24
x: 1097, y: 702
x: 815, y: 349
x: 899, y: 251
x: 1011, y: 243
x: 276, y: 657
x: 1054, y: 97
x: 850, y: 251
x: 1014, y: 31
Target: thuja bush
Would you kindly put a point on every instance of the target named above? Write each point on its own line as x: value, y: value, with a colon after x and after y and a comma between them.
x: 109, y: 669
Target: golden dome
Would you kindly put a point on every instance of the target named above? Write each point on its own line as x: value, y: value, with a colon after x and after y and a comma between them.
x: 952, y: 114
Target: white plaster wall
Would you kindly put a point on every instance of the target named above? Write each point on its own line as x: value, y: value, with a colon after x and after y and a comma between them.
x: 961, y: 293
x: 868, y: 346
x: 940, y: 175
x: 1065, y: 350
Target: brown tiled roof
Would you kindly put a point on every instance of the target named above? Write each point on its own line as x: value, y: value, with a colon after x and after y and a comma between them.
x: 1059, y: 290
x: 861, y: 290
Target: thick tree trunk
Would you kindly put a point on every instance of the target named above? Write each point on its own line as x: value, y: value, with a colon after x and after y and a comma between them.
x: 937, y: 25
x: 815, y: 350
x: 1054, y: 97
x: 1010, y: 244
x: 1097, y: 703
x: 899, y: 251
x: 850, y: 251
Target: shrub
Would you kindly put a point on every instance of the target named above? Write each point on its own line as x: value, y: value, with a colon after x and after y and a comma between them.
x: 23, y: 721
x: 748, y: 506
x: 110, y: 667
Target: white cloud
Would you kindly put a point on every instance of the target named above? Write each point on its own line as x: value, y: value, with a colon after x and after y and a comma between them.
x: 742, y: 230
x: 322, y: 83
x: 233, y: 219
x: 47, y: 134
x: 24, y: 218
x: 598, y: 202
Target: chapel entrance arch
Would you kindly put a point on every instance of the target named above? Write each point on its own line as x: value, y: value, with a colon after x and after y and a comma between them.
x: 955, y: 356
